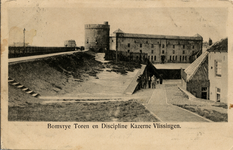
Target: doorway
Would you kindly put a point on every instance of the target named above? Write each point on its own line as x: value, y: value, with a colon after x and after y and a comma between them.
x: 204, y: 93
x: 163, y: 59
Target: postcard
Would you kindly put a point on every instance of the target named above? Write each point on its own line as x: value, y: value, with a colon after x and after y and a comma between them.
x: 116, y: 75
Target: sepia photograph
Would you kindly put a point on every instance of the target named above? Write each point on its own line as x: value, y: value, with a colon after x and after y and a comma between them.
x: 145, y: 74
x: 118, y: 64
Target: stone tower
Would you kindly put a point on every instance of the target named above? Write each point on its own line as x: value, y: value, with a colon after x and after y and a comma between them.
x: 97, y: 36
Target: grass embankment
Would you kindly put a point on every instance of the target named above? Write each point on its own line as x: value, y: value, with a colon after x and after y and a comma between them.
x: 214, y: 111
x: 53, y: 76
x: 121, y: 111
x: 206, y: 112
x: 122, y: 66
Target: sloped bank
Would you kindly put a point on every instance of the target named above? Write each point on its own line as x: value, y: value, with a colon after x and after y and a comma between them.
x: 55, y: 75
x: 59, y: 75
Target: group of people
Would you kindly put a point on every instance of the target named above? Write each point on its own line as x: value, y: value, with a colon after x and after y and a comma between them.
x: 152, y: 81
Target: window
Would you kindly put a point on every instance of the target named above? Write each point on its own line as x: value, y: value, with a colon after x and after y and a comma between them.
x: 176, y: 57
x: 134, y: 41
x: 154, y: 58
x: 151, y: 58
x: 128, y: 44
x: 183, y: 46
x: 204, y: 89
x: 152, y: 45
x: 112, y: 40
x: 140, y: 45
x: 152, y: 51
x: 170, y: 57
x: 173, y: 46
x: 128, y: 51
x: 163, y: 46
x: 162, y: 51
x: 193, y: 47
x: 87, y: 41
x: 218, y: 68
x: 146, y: 42
x: 185, y: 58
x: 173, y: 51
x: 140, y: 51
x: 180, y: 58
x: 183, y: 52
x: 173, y: 58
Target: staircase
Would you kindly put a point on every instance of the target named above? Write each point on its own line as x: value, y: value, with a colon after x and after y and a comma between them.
x: 22, y: 87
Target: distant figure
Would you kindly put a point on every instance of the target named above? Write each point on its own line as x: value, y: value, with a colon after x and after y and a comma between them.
x: 158, y: 81
x: 143, y: 82
x: 154, y: 80
x: 149, y: 82
x: 161, y: 79
x: 139, y: 80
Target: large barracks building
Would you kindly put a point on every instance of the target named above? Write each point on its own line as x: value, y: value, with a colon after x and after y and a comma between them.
x: 157, y: 48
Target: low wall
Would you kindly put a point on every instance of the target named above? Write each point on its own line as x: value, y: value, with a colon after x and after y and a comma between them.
x: 30, y: 51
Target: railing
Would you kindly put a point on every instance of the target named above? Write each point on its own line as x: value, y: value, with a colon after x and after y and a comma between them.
x: 30, y: 51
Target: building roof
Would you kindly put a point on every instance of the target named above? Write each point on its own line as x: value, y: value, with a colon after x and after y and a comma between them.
x: 132, y: 35
x: 220, y: 46
x: 118, y: 31
x: 192, y: 69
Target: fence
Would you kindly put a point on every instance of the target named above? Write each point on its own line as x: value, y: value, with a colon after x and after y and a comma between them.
x: 30, y: 51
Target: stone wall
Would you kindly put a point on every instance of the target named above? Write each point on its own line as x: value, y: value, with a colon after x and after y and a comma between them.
x: 199, y: 80
x: 195, y: 87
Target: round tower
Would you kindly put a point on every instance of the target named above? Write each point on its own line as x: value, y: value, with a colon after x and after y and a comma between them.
x: 97, y: 36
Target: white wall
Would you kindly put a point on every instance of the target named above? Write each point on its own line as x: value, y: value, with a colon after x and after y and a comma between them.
x: 216, y: 81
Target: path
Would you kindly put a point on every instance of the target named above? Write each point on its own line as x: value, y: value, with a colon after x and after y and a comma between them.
x: 32, y: 58
x: 169, y: 113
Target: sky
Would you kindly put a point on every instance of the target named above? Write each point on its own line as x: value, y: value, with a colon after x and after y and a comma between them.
x: 51, y: 26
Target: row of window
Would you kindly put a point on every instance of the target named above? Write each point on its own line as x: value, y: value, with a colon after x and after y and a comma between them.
x: 152, y: 46
x: 182, y: 58
x: 152, y: 51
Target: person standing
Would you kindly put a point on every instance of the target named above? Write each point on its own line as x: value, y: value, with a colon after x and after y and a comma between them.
x: 149, y: 82
x: 154, y: 82
x: 161, y: 78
